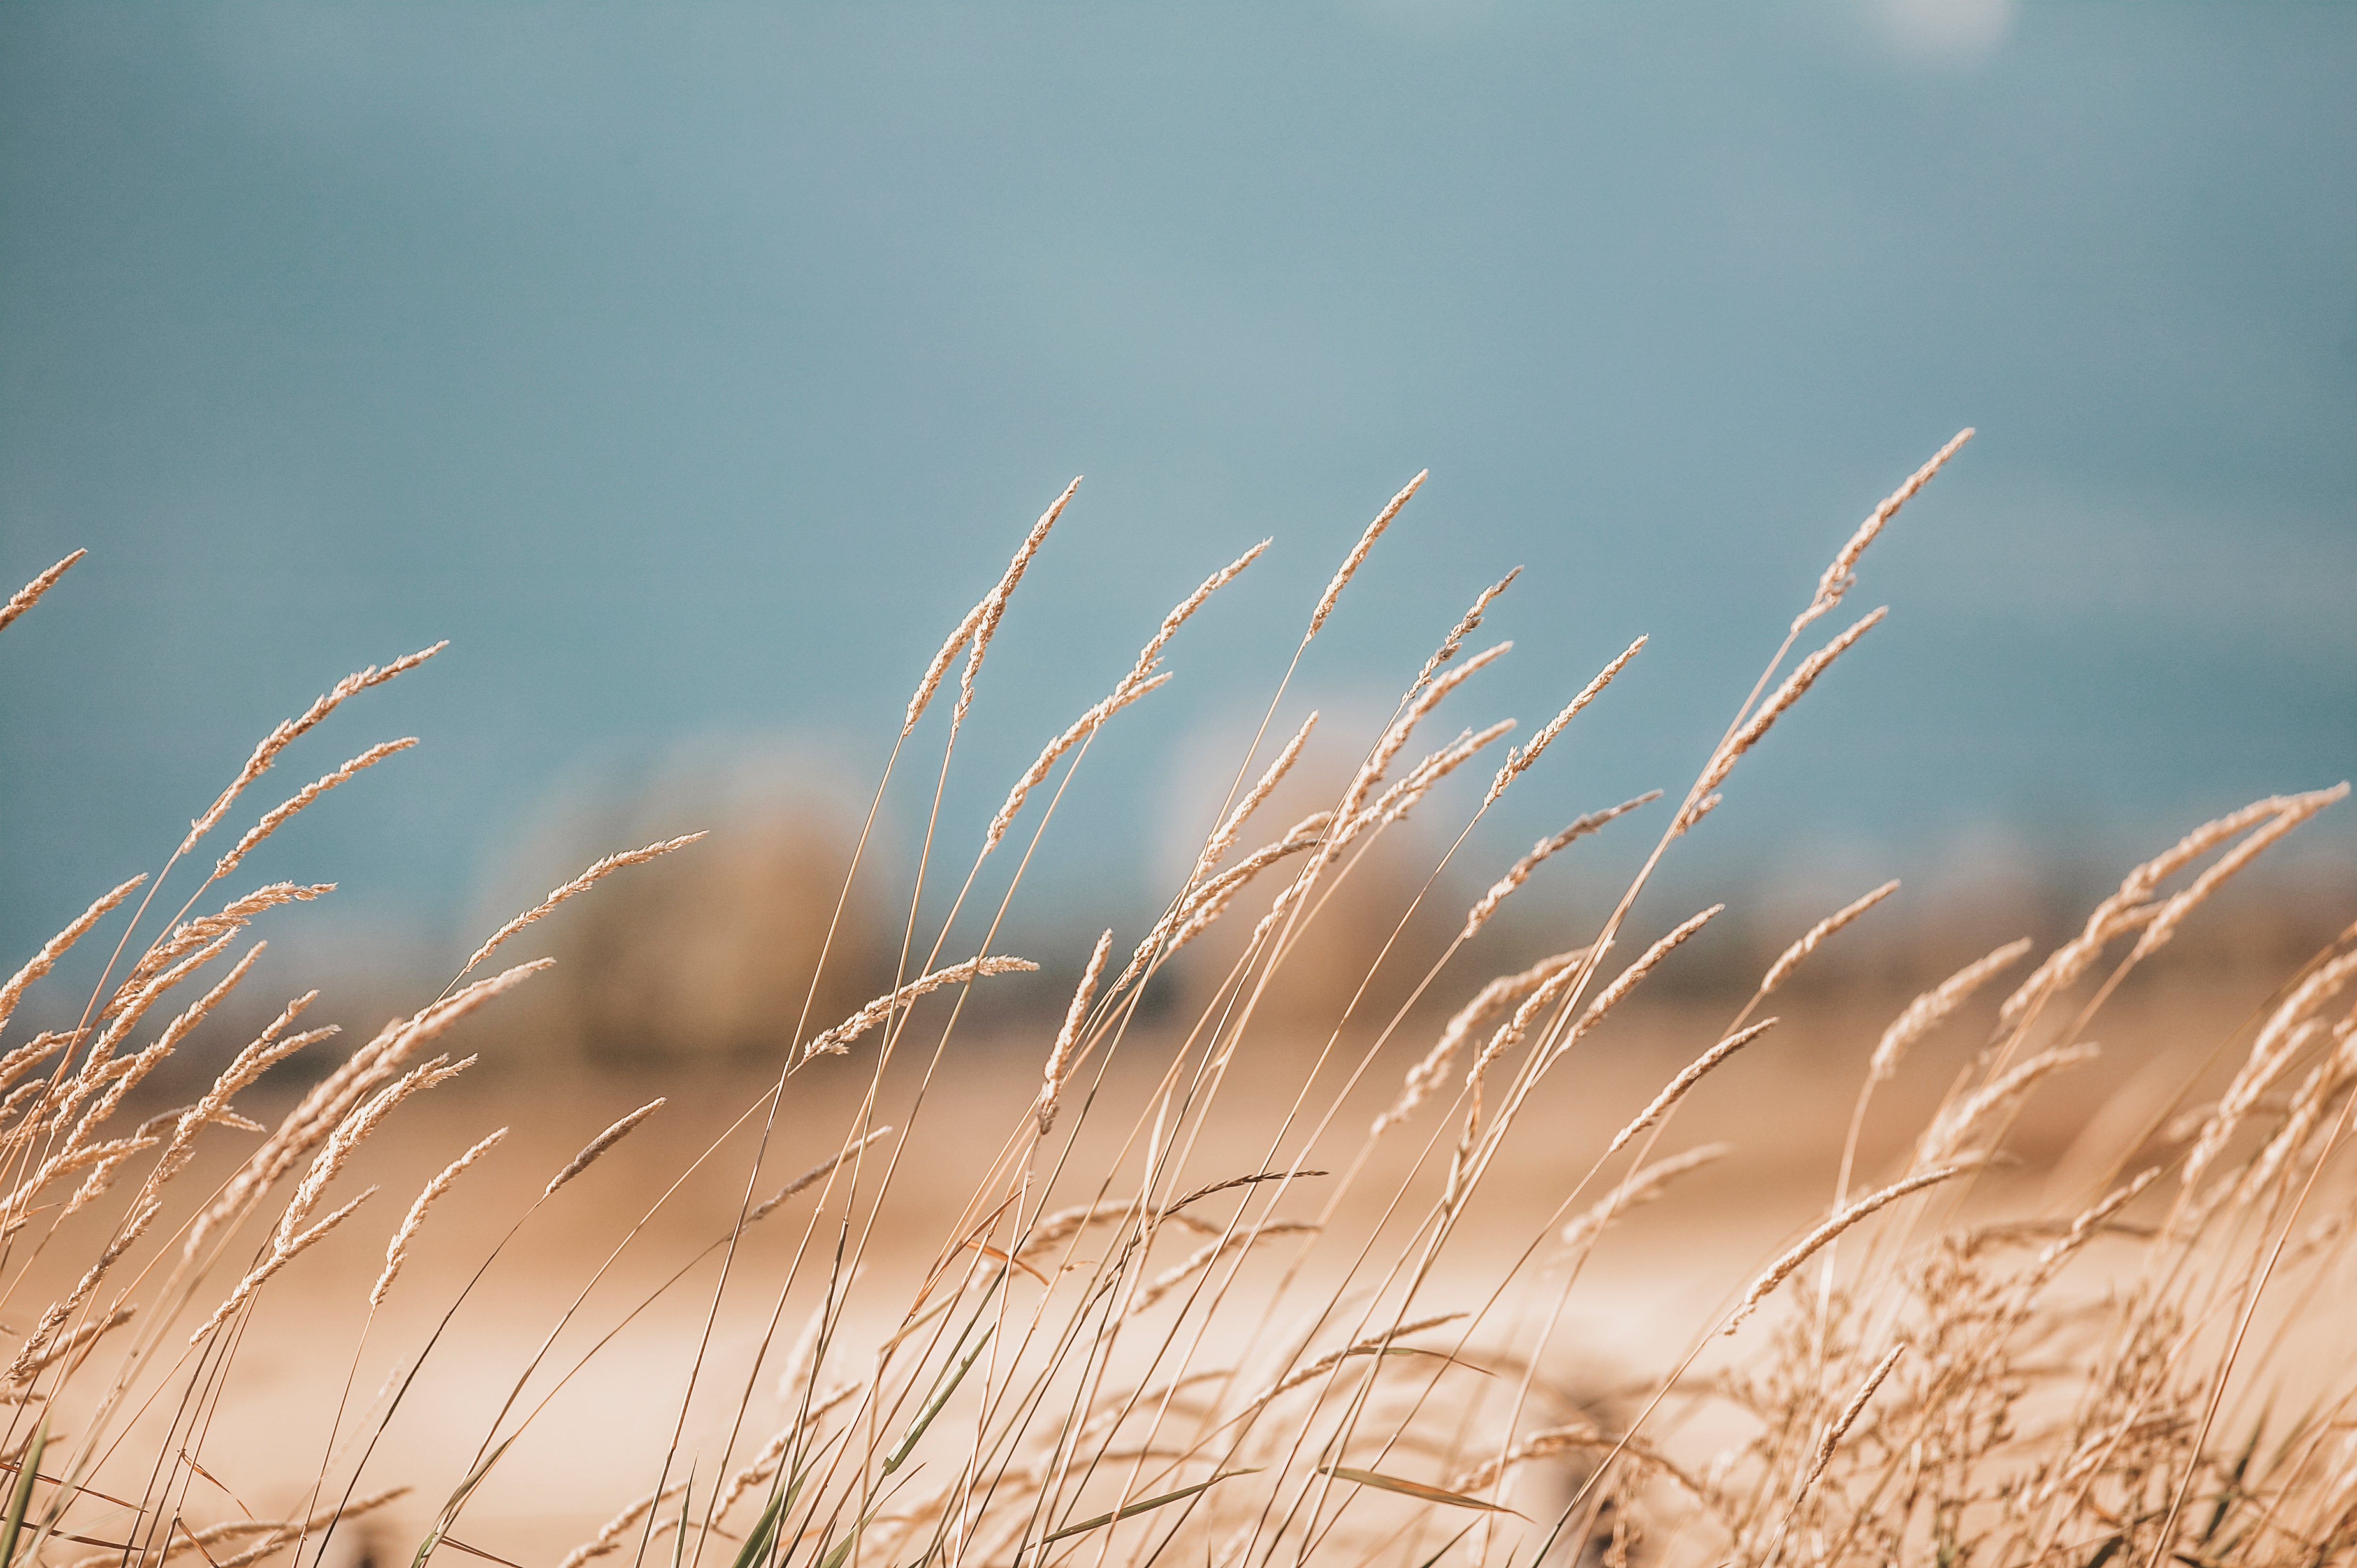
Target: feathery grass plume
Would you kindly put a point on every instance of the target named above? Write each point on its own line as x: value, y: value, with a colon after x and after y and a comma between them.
x: 2141, y: 883
x: 609, y: 1538
x: 72, y: 1302
x: 1395, y: 802
x: 1087, y: 724
x: 281, y: 1532
x: 315, y: 1116
x: 282, y: 1252
x: 1629, y: 978
x: 351, y: 1132
x: 1839, y: 576
x: 1210, y: 1252
x: 837, y: 1040
x: 1223, y: 839
x: 1184, y: 610
x: 290, y: 730
x: 266, y: 1051
x: 2324, y: 1083
x: 371, y: 1067
x: 1781, y: 1269
x: 1790, y: 959
x: 993, y: 604
x: 1518, y: 761
x: 2273, y: 1050
x: 2128, y: 910
x: 1945, y: 1137
x: 1304, y: 834
x: 1351, y: 816
x: 64, y: 1163
x: 277, y: 815
x: 396, y: 1251
x: 1796, y: 686
x: 1545, y: 995
x: 1066, y: 1223
x: 1395, y: 738
x: 1675, y: 1090
x: 15, y: 1061
x: 1230, y: 1183
x: 136, y: 1068
x: 1372, y: 1345
x: 1206, y: 901
x: 106, y: 1161
x: 290, y: 1530
x: 1642, y: 1186
x: 1069, y: 1037
x: 99, y: 1067
x: 189, y: 935
x: 1839, y: 1427
x: 2294, y: 810
x: 601, y: 1143
x: 763, y: 1465
x: 930, y: 681
x: 1555, y: 1440
x: 1538, y: 1444
x: 1196, y: 912
x: 81, y: 1337
x: 30, y: 595
x: 1358, y: 555
x: 1493, y: 999
x: 2092, y: 1221
x: 756, y: 1470
x: 1465, y: 627
x: 56, y: 947
x: 1930, y: 1010
x: 321, y: 1111
x: 1139, y: 681
x: 2062, y: 968
x: 187, y: 1540
x: 1520, y: 871
x: 817, y: 1172
x: 579, y: 885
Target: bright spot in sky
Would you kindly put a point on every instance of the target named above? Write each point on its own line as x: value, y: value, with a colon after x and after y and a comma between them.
x: 1962, y: 31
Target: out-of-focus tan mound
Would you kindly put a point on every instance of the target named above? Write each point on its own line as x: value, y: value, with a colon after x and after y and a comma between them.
x: 710, y: 955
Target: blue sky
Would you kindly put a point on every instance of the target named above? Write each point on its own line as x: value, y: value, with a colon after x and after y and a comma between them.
x: 692, y: 368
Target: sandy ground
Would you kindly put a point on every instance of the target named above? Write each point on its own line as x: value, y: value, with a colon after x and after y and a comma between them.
x: 598, y: 1441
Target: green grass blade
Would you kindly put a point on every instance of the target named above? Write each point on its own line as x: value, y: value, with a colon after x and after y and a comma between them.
x: 457, y: 1499
x: 21, y: 1496
x: 899, y: 1454
x: 1125, y: 1510
x: 2231, y: 1492
x: 757, y: 1545
x: 842, y: 1548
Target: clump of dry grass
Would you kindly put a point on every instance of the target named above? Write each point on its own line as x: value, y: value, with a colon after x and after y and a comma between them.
x: 1134, y: 1357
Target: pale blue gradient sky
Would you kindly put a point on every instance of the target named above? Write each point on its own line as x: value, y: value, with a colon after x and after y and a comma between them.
x: 692, y: 367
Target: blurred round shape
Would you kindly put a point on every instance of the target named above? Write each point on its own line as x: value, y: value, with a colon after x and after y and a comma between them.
x: 708, y: 953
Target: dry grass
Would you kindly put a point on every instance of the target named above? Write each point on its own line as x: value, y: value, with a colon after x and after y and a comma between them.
x: 1130, y: 1346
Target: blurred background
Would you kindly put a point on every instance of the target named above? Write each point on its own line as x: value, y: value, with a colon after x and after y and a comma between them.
x: 692, y: 369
